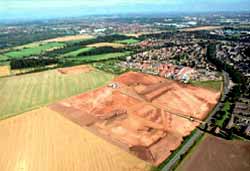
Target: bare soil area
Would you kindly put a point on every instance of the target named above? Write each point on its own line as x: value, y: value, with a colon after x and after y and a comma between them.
x: 143, y: 114
x: 217, y: 154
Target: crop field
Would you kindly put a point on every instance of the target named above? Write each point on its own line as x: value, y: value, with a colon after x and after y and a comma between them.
x: 70, y: 38
x: 4, y: 70
x: 105, y: 44
x: 42, y: 140
x: 143, y: 114
x: 3, y: 58
x: 214, y: 153
x: 202, y: 28
x: 22, y: 93
x: 77, y: 52
x: 37, y: 50
x: 213, y: 85
x: 128, y: 41
x: 95, y: 58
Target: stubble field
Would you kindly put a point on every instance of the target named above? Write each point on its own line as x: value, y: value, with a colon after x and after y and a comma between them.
x: 42, y: 140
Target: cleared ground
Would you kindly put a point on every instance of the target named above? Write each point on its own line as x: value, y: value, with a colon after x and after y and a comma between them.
x: 144, y: 114
x: 202, y: 28
x: 42, y: 140
x: 218, y: 154
x: 22, y: 93
x: 105, y: 44
x: 70, y: 38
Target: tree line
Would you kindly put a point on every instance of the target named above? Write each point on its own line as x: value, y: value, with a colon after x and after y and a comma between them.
x: 32, y: 62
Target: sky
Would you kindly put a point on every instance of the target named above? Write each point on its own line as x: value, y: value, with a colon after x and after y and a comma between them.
x: 46, y: 9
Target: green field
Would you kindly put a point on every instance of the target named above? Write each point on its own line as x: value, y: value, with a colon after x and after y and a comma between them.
x: 128, y: 41
x: 3, y: 58
x: 37, y: 50
x: 95, y: 58
x: 226, y: 109
x: 77, y: 52
x: 22, y: 93
x: 214, y: 85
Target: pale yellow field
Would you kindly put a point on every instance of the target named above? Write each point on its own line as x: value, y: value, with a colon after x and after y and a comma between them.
x: 133, y: 35
x: 42, y: 140
x: 202, y: 28
x: 104, y: 44
x: 70, y: 38
x: 4, y: 70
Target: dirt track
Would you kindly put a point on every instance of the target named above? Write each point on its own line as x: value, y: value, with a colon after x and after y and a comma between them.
x: 217, y: 154
x: 42, y: 140
x: 126, y: 115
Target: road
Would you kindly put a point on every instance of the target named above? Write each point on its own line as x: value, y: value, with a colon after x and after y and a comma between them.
x: 185, y: 147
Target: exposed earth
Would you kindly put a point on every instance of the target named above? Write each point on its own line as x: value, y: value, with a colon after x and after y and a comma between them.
x: 217, y: 154
x: 143, y: 114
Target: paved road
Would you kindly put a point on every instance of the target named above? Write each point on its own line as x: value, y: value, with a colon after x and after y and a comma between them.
x: 185, y: 147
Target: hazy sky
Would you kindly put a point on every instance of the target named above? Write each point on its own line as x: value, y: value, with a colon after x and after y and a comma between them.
x: 34, y: 9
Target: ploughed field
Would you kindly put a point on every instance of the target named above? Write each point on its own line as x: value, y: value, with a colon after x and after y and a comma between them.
x: 25, y: 92
x: 217, y: 154
x: 145, y: 115
x: 43, y: 140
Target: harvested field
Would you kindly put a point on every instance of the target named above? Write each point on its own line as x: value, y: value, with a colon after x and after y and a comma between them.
x: 25, y: 92
x: 76, y: 69
x: 217, y: 154
x: 4, y: 70
x: 144, y: 114
x: 70, y: 38
x: 42, y: 140
x: 202, y: 28
x: 105, y: 44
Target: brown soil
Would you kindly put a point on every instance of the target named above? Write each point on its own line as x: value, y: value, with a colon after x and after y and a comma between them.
x: 217, y: 154
x: 76, y: 69
x: 140, y: 113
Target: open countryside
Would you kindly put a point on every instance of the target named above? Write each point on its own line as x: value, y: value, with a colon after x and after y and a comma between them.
x: 140, y: 90
x: 44, y: 140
